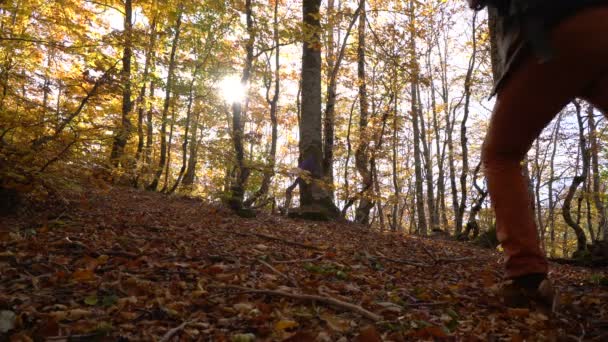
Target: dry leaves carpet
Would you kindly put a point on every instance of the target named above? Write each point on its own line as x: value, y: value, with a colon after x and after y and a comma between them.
x: 127, y: 265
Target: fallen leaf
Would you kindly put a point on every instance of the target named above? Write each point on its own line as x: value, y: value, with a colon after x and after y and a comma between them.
x: 285, y: 324
x: 368, y: 334
x: 83, y: 275
x: 517, y: 312
x: 8, y: 320
x: 334, y: 322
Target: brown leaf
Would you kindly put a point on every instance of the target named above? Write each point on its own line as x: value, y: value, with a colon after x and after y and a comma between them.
x: 368, y: 334
x: 301, y: 336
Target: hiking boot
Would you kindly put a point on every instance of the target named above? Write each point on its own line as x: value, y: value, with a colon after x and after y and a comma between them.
x: 532, y: 291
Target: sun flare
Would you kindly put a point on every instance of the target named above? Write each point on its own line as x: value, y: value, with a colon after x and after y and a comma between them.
x: 232, y: 90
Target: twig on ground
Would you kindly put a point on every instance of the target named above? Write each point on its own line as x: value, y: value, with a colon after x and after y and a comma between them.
x: 274, y: 238
x: 404, y: 261
x: 327, y: 300
x: 297, y: 260
x: 169, y: 334
x: 429, y: 253
x: 72, y: 338
x: 288, y: 278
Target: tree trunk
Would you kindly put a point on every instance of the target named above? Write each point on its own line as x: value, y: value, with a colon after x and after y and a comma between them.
x: 428, y: 162
x: 186, y: 129
x: 597, y: 191
x: 141, y: 99
x: 576, y: 181
x: 362, y: 161
x: 333, y: 66
x: 163, y: 128
x: 314, y: 197
x: 463, y: 128
x: 122, y: 135
x: 552, y: 202
x: 188, y: 179
x: 269, y: 169
x: 169, y: 149
x: 421, y: 227
x: 237, y: 188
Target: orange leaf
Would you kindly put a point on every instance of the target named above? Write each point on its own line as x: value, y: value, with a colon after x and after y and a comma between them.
x: 83, y: 275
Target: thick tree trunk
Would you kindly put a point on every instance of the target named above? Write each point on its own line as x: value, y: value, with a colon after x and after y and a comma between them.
x: 311, y: 144
x: 122, y: 135
x: 167, y: 102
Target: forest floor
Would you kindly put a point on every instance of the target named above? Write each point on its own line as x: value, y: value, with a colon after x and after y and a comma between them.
x: 123, y: 265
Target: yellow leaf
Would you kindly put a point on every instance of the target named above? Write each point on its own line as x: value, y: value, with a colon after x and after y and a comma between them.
x: 285, y: 324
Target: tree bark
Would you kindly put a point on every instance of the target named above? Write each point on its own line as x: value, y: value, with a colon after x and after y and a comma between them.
x: 163, y: 128
x: 186, y: 129
x: 312, y: 194
x: 237, y: 188
x: 274, y: 102
x: 362, y: 161
x: 124, y: 131
x: 552, y: 202
x: 576, y: 181
x: 597, y: 191
x: 141, y: 99
x: 421, y: 227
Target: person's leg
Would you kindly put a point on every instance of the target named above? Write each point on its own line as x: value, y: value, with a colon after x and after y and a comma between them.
x: 533, y: 94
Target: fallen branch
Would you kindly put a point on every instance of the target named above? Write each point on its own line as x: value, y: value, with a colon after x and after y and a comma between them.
x: 306, y: 297
x: 296, y: 261
x: 169, y: 334
x: 288, y: 278
x: 273, y: 238
x: 404, y: 261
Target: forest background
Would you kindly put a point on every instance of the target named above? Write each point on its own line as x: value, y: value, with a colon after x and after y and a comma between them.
x: 224, y: 99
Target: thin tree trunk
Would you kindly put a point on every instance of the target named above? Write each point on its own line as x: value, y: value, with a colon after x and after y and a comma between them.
x: 188, y: 179
x: 141, y: 99
x: 169, y: 149
x: 333, y: 65
x: 597, y: 192
x: 396, y: 185
x: 362, y: 161
x: 463, y: 128
x: 428, y: 162
x: 550, y: 187
x: 237, y: 189
x: 576, y: 181
x: 122, y: 136
x: 163, y: 128
x: 186, y: 130
x: 421, y: 227
x: 269, y: 169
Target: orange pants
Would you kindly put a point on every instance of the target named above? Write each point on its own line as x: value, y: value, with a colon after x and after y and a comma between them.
x: 528, y: 100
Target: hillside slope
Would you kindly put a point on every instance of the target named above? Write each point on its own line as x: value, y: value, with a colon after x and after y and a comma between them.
x: 129, y: 265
